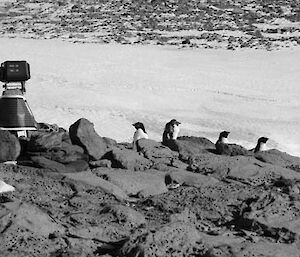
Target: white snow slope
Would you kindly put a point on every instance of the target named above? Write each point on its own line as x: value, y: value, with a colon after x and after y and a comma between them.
x: 251, y: 93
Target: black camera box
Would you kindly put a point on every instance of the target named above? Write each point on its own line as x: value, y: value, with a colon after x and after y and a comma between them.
x: 14, y: 71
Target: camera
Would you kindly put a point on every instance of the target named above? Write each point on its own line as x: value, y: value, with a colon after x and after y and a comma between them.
x: 15, y: 113
x: 14, y: 71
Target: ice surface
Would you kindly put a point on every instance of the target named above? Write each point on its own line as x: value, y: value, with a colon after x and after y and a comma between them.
x: 251, y: 93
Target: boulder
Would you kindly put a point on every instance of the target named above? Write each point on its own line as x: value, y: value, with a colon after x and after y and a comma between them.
x: 125, y: 214
x: 92, y: 179
x: 109, y: 142
x: 82, y: 133
x: 128, y: 159
x: 31, y: 218
x: 190, y: 146
x: 146, y: 183
x: 43, y: 141
x: 10, y: 147
x: 177, y: 237
x: 42, y: 162
x: 244, y: 168
x: 153, y: 150
x: 77, y: 166
x: 66, y: 153
x: 231, y: 149
x: 279, y: 158
x: 192, y: 179
x: 100, y: 163
x: 266, y: 249
x: 201, y: 142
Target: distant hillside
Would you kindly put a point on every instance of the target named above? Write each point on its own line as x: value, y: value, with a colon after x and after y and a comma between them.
x: 228, y: 24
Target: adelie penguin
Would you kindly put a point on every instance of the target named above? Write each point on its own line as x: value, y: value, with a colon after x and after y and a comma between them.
x: 261, y: 145
x: 139, y: 133
x: 224, y: 148
x: 171, y: 130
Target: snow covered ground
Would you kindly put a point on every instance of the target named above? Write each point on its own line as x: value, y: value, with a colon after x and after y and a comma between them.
x: 251, y: 93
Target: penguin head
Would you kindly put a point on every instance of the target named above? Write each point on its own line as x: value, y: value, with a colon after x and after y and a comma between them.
x: 262, y: 140
x: 261, y: 144
x: 174, y: 122
x: 224, y: 134
x: 139, y: 125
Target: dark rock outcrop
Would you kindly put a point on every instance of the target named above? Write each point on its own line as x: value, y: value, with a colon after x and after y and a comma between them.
x: 231, y: 149
x: 128, y: 159
x: 154, y: 150
x: 45, y: 163
x: 142, y: 184
x: 10, y: 147
x: 190, y: 146
x: 279, y: 158
x: 125, y: 214
x: 82, y: 133
x: 244, y: 168
x: 43, y: 141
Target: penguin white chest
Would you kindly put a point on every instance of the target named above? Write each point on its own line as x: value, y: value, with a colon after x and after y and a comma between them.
x: 224, y: 140
x: 139, y: 134
x: 262, y: 147
x: 176, y: 131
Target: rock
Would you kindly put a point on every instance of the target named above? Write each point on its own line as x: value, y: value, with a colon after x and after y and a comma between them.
x: 42, y: 162
x: 125, y: 214
x: 176, y: 237
x: 91, y: 179
x: 201, y: 142
x: 100, y: 163
x: 190, y: 146
x: 240, y: 167
x: 82, y: 133
x: 31, y: 218
x: 192, y: 179
x: 266, y: 249
x: 128, y: 159
x: 271, y: 209
x: 67, y: 153
x: 231, y: 149
x: 153, y: 150
x: 109, y: 142
x: 279, y: 158
x: 43, y: 141
x: 186, y: 216
x: 143, y: 184
x: 75, y: 166
x: 70, y: 149
x: 10, y: 147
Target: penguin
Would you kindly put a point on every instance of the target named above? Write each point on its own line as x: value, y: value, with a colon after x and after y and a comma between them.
x: 171, y: 130
x: 261, y: 144
x: 224, y: 148
x: 223, y: 137
x: 5, y: 187
x: 139, y: 133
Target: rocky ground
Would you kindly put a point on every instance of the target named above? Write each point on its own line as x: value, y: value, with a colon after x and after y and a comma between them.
x: 80, y: 194
x: 227, y: 24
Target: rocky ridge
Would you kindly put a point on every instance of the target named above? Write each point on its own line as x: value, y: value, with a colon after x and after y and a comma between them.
x: 227, y: 24
x: 116, y: 201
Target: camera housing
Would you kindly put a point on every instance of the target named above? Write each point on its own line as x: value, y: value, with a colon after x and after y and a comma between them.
x: 14, y: 71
